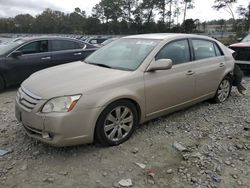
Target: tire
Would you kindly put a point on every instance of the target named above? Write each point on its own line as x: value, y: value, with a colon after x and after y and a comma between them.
x: 116, y: 123
x: 223, y: 90
x: 1, y: 84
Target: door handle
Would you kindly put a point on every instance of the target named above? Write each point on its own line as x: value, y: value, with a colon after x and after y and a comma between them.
x: 46, y: 58
x: 222, y: 64
x: 190, y: 72
x: 79, y: 53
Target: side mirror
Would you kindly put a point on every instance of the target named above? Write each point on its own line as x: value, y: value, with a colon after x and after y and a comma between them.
x: 16, y: 54
x: 161, y: 64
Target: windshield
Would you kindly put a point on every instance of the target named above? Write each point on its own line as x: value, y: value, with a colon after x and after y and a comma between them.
x: 124, y: 54
x: 246, y: 39
x: 6, y: 47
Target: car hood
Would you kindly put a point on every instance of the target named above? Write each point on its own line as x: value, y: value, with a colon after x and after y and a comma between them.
x: 241, y: 44
x: 70, y: 79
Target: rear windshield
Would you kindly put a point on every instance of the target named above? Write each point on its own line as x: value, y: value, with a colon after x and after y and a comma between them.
x: 241, y: 54
x: 246, y: 39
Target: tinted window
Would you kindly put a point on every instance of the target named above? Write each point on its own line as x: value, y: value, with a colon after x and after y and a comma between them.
x: 97, y: 41
x: 58, y: 45
x: 177, y: 51
x: 203, y: 49
x: 35, y: 47
x: 242, y: 54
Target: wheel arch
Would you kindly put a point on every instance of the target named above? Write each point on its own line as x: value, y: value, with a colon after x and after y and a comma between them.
x: 131, y: 100
x: 230, y: 75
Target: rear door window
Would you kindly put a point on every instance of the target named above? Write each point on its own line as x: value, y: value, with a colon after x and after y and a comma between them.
x: 59, y: 45
x: 203, y: 49
x: 35, y: 47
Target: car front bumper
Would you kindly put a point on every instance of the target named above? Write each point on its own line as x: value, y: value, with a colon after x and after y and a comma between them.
x: 59, y: 129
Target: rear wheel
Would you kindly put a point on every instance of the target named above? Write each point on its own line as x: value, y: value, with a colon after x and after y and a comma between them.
x: 223, y: 90
x: 1, y: 83
x: 116, y: 123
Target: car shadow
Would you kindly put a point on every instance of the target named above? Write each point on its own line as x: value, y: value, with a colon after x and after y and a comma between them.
x: 10, y: 89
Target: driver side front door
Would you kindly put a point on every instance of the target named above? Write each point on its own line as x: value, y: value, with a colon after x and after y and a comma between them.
x: 35, y: 56
x: 166, y: 90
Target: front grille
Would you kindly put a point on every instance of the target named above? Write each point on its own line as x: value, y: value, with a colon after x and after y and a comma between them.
x: 26, y: 99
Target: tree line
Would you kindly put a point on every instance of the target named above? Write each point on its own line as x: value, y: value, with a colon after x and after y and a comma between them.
x: 123, y: 17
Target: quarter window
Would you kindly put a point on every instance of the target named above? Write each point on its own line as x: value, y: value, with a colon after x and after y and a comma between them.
x: 203, y: 49
x: 177, y: 51
x: 217, y: 50
x: 59, y: 45
x: 35, y: 47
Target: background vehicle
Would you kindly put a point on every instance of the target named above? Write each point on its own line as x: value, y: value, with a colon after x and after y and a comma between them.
x: 130, y: 81
x: 242, y: 54
x: 108, y: 41
x: 96, y: 40
x: 246, y: 39
x: 21, y: 57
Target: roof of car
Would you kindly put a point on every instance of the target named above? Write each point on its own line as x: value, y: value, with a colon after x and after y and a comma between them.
x: 45, y: 37
x: 162, y: 36
x: 241, y: 44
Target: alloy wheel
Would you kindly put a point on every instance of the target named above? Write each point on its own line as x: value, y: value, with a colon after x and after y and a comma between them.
x: 118, y: 123
x: 223, y: 90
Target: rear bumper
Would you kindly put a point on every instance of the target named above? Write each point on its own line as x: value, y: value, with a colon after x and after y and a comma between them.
x: 59, y: 129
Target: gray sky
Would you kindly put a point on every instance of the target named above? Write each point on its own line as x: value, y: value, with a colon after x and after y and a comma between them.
x: 10, y: 8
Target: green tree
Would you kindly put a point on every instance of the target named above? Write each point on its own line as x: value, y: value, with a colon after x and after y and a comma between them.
x: 93, y: 26
x: 189, y: 26
x: 50, y: 22
x: 112, y: 9
x: 188, y: 4
x: 245, y: 14
x: 226, y: 5
x: 148, y: 7
x: 24, y: 22
x: 98, y: 12
x: 77, y: 21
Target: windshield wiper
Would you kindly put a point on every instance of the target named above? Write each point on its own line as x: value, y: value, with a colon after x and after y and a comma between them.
x: 99, y: 64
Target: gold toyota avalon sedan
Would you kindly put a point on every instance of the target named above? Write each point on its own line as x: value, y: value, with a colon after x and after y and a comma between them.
x: 129, y: 81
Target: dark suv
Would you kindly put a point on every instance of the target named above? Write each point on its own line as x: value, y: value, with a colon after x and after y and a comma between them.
x: 23, y: 56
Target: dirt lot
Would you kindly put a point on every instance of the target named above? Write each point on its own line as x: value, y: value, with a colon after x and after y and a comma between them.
x: 215, y: 139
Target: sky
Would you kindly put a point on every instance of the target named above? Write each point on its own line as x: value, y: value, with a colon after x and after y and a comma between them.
x: 11, y: 8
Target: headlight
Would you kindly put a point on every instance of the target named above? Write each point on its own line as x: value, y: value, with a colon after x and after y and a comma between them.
x: 60, y: 104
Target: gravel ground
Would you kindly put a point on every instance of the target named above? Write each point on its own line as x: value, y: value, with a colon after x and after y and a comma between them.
x: 206, y: 145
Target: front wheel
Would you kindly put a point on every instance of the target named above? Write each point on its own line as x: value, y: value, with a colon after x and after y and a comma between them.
x: 116, y: 123
x: 223, y: 90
